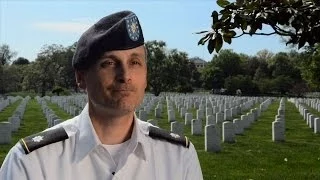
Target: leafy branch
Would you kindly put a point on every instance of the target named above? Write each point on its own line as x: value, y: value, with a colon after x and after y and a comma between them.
x: 299, y: 20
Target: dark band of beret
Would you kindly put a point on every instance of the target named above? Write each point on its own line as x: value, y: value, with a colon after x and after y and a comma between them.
x: 118, y: 31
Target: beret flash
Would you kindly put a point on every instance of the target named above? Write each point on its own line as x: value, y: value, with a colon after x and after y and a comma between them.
x: 118, y: 31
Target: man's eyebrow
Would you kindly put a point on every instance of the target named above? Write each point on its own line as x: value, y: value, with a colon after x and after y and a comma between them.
x: 109, y: 56
x: 136, y: 55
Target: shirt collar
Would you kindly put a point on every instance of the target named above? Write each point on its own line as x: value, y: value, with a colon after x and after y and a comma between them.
x: 139, y: 140
x: 88, y: 139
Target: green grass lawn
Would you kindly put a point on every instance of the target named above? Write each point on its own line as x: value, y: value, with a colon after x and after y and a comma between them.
x: 58, y: 111
x: 253, y: 156
x: 32, y: 122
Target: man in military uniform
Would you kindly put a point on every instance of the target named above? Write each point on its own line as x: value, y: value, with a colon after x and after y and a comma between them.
x: 107, y: 140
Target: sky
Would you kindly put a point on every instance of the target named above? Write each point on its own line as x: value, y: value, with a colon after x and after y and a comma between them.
x: 27, y: 25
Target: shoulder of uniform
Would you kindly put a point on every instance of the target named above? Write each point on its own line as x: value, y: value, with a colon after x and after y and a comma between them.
x: 43, y: 138
x: 158, y: 133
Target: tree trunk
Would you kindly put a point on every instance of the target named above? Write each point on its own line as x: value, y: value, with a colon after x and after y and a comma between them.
x: 43, y: 89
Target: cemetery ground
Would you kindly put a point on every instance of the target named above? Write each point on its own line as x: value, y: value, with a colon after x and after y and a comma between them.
x: 253, y: 156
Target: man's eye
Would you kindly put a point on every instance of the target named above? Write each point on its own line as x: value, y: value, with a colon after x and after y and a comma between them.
x: 107, y: 63
x: 134, y: 62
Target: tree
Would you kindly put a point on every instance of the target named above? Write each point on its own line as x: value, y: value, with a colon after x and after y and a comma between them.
x: 282, y: 64
x: 226, y: 63
x: 32, y: 79
x: 182, y: 76
x: 296, y: 20
x: 158, y: 74
x: 6, y: 54
x: 264, y: 55
x: 49, y: 66
x: 212, y: 77
x: 5, y: 58
x: 310, y: 68
x: 229, y: 62
x: 244, y: 83
x: 195, y: 75
x: 21, y: 61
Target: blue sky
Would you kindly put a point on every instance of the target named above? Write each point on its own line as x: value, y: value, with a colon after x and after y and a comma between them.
x: 28, y: 25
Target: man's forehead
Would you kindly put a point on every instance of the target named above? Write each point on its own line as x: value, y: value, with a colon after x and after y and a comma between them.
x: 138, y: 51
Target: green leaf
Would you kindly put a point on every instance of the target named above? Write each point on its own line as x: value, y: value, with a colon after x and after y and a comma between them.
x: 201, y: 32
x: 227, y: 39
x: 253, y: 29
x: 223, y: 3
x: 230, y: 34
x: 302, y: 41
x: 214, y: 16
x: 204, y: 39
x: 211, y: 45
x: 219, y: 42
x: 244, y: 25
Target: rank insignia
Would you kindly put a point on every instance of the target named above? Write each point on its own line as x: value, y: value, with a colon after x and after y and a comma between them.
x: 159, y: 133
x: 44, y: 138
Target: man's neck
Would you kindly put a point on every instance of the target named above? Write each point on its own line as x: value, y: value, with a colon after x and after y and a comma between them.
x: 111, y: 128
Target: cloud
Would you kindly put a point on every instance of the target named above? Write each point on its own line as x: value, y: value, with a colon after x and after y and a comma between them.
x: 63, y: 27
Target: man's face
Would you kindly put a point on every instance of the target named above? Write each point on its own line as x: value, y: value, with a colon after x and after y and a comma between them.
x: 118, y: 80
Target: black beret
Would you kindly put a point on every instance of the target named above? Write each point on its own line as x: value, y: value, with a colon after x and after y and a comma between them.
x: 118, y: 31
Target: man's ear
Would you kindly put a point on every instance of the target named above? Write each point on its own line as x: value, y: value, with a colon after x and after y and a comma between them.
x: 80, y: 79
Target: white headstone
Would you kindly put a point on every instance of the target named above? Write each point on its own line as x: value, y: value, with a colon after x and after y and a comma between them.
x: 196, y: 127
x: 208, y: 111
x: 153, y: 122
x: 182, y: 112
x: 305, y: 112
x: 200, y: 114
x: 238, y: 128
x: 177, y: 128
x: 15, y: 123
x: 211, y: 119
x: 278, y: 131
x: 57, y: 121
x: 143, y: 115
x: 316, y: 125
x: 307, y: 118
x: 212, y: 139
x: 219, y: 117
x: 228, y: 134
x: 188, y: 118
x: 311, y: 121
x: 171, y: 116
x: 157, y: 112
x: 227, y: 114
x: 5, y: 133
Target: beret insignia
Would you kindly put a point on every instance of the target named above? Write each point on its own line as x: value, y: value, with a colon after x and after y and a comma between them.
x: 133, y: 28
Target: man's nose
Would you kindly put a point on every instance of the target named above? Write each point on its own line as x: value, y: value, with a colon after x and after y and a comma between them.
x: 123, y: 74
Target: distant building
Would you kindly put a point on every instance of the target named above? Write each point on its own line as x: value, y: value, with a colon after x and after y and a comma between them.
x: 200, y: 63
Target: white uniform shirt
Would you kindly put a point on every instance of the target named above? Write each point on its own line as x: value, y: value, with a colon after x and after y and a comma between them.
x: 82, y: 157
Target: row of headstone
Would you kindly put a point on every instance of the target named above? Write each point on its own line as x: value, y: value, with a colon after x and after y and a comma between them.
x: 10, y: 100
x: 64, y: 103
x: 278, y: 125
x: 312, y: 120
x: 231, y: 129
x: 312, y: 102
x: 13, y: 123
x: 213, y: 110
x: 51, y: 117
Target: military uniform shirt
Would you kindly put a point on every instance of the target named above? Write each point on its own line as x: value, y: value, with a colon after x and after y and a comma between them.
x: 83, y: 157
